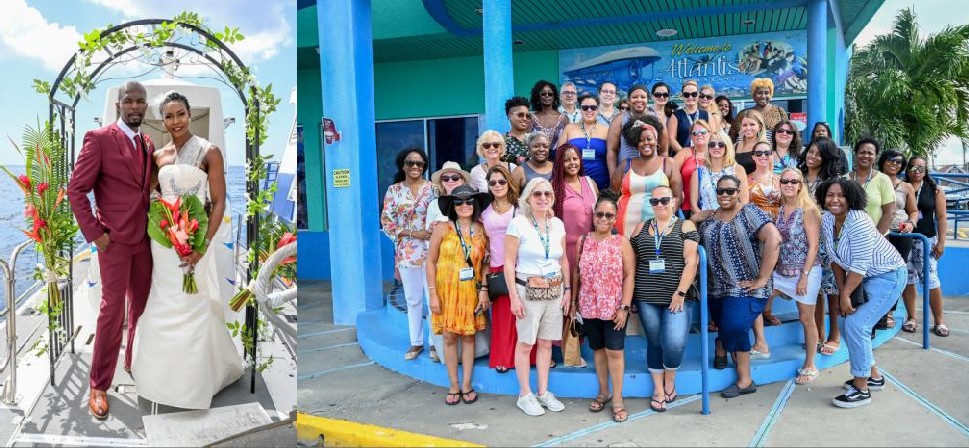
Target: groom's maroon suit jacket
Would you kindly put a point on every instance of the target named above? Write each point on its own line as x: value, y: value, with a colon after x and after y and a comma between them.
x: 108, y: 164
x: 111, y: 166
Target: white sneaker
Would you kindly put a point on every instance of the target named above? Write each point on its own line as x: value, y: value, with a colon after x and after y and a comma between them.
x: 549, y: 401
x: 529, y: 405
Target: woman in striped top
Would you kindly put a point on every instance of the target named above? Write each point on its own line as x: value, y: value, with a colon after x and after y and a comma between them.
x: 666, y: 255
x: 860, y: 257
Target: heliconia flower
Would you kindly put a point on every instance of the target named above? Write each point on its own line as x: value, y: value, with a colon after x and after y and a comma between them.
x: 24, y: 180
x: 181, y: 236
x: 287, y: 238
x: 193, y: 225
x: 163, y: 224
x: 42, y: 187
x: 30, y: 211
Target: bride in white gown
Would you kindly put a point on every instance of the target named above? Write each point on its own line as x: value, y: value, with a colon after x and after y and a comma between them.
x: 183, y: 354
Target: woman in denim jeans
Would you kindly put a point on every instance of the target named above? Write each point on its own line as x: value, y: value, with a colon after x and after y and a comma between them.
x: 860, y: 257
x: 666, y: 263
x: 743, y: 246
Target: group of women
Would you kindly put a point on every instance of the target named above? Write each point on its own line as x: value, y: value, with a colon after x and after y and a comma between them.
x: 542, y: 236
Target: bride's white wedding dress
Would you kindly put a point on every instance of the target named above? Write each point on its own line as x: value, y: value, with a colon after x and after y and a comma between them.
x: 183, y: 353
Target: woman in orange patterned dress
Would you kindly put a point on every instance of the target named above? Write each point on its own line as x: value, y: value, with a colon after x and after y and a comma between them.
x: 459, y: 295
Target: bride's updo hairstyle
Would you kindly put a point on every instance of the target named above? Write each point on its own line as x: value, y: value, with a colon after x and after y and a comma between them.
x: 171, y: 97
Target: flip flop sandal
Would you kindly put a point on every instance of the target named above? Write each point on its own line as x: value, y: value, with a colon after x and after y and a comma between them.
x: 619, y: 415
x: 832, y: 347
x: 910, y: 326
x: 670, y: 398
x: 657, y: 408
x: 809, y: 374
x: 500, y: 369
x: 941, y: 330
x: 464, y: 396
x: 447, y: 399
x: 599, y: 403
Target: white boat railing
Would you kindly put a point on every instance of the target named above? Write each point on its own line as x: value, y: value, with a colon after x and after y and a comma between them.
x: 10, y: 363
x: 271, y: 298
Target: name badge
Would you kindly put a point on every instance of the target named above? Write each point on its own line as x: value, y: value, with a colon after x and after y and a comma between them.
x: 657, y: 266
x: 588, y: 154
x: 550, y: 270
x: 466, y: 274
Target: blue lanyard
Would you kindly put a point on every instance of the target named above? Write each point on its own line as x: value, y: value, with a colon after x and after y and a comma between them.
x: 657, y: 236
x: 464, y: 246
x: 545, y: 241
x: 588, y: 136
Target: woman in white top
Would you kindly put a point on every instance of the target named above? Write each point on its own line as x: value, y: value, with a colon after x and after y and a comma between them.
x: 491, y: 148
x: 535, y: 261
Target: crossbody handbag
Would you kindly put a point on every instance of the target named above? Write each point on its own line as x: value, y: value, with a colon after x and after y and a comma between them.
x: 496, y: 281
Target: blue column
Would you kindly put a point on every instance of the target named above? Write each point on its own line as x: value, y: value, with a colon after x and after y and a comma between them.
x: 346, y: 64
x: 499, y: 72
x: 817, y: 61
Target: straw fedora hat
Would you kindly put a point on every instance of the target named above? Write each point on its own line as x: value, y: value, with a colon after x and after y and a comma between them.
x: 450, y: 166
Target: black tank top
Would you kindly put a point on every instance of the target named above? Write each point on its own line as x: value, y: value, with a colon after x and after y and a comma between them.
x: 926, y: 205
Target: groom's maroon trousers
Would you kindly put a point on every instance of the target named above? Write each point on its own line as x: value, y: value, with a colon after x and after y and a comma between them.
x: 118, y: 171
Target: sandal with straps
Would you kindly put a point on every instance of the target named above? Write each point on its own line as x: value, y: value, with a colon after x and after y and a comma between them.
x: 619, y: 414
x: 599, y: 403
x: 941, y: 330
x: 910, y: 326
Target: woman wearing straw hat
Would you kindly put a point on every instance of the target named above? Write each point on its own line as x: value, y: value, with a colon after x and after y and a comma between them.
x: 458, y: 291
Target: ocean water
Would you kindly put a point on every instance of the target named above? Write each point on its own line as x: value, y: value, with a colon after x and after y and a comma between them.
x: 12, y: 222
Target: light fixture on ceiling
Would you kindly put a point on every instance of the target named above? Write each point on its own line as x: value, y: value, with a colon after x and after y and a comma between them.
x: 518, y: 42
x: 666, y: 32
x: 748, y: 22
x: 480, y: 11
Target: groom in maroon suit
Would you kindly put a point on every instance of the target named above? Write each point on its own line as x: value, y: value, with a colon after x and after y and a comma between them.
x: 116, y: 162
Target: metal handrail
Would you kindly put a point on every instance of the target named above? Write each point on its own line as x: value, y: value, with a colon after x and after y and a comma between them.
x: 9, y: 270
x: 926, y: 252
x: 704, y: 332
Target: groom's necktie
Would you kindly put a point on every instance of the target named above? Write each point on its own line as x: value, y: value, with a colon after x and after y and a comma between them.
x: 140, y: 155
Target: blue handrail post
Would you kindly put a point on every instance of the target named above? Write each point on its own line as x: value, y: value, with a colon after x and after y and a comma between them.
x: 704, y: 332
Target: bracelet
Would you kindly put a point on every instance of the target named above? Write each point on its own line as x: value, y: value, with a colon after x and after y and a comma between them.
x: 431, y: 287
x: 567, y: 288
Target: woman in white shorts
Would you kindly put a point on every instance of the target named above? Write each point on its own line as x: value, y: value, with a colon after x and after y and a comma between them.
x: 534, y: 262
x: 798, y: 271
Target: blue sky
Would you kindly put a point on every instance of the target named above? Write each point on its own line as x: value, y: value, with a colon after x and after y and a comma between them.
x: 37, y: 37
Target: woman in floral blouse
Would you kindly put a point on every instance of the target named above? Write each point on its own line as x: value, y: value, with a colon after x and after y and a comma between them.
x: 403, y: 219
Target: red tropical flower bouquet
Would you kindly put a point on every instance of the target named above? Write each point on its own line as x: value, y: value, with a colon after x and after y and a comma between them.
x: 180, y: 225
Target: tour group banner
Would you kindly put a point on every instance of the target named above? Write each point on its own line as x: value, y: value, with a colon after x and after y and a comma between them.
x: 728, y: 63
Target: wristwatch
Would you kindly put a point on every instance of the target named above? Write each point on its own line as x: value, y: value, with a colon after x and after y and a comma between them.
x: 624, y: 307
x: 680, y: 293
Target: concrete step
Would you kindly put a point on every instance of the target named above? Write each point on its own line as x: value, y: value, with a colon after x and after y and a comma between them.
x: 317, y: 363
x: 203, y: 427
x: 329, y: 338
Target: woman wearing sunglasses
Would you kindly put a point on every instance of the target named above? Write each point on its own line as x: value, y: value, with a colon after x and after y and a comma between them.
x: 681, y: 122
x: 720, y: 162
x: 491, y: 148
x: 535, y: 268
x: 689, y: 159
x: 892, y: 164
x: 798, y: 271
x: 705, y: 102
x: 546, y: 117
x: 787, y: 146
x: 458, y: 291
x: 403, y: 219
x: 765, y: 194
x: 661, y: 96
x: 666, y: 266
x: 642, y: 174
x: 619, y: 151
x: 603, y: 289
x: 743, y: 244
x: 932, y: 224
x: 589, y: 138
x: 495, y: 218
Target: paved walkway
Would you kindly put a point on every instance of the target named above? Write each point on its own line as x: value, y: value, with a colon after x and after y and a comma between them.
x: 923, y: 403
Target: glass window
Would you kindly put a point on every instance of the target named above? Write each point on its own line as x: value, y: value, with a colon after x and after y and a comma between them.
x: 302, y: 221
x: 392, y: 137
x: 452, y: 140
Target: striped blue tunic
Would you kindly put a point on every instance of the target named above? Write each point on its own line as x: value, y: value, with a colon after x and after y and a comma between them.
x: 859, y: 247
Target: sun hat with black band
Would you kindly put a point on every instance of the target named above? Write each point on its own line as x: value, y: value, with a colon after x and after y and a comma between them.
x: 446, y: 202
x: 450, y: 166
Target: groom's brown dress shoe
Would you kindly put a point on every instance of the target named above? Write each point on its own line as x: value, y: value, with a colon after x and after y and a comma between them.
x: 99, y: 404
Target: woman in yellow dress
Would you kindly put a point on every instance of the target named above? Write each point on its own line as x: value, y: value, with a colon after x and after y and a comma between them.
x: 459, y: 292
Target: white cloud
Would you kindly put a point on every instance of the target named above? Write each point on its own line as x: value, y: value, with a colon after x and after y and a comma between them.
x: 25, y: 32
